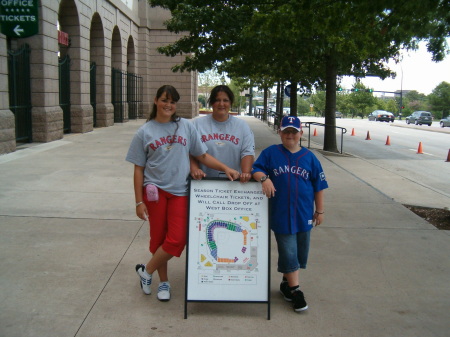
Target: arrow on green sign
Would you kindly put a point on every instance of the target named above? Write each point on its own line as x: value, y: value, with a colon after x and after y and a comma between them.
x: 19, y: 18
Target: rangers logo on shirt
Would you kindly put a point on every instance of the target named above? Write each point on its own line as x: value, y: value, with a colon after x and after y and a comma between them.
x: 172, y: 139
x: 297, y: 170
x: 220, y: 136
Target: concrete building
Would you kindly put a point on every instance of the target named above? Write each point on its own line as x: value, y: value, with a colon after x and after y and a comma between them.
x: 92, y: 63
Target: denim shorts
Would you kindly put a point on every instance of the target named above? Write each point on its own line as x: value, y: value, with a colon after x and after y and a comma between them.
x: 293, y: 251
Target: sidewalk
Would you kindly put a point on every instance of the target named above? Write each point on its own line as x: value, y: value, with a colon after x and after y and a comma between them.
x: 69, y: 241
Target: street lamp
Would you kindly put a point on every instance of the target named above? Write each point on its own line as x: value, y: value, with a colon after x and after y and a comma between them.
x: 401, y: 94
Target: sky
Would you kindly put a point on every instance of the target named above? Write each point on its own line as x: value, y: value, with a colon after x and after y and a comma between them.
x: 420, y: 73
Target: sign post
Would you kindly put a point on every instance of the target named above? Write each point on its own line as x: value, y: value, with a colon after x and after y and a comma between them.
x: 287, y: 90
x: 19, y: 18
x: 228, y: 251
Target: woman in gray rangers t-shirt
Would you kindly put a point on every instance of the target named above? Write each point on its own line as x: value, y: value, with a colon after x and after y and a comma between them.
x: 228, y: 138
x: 160, y: 153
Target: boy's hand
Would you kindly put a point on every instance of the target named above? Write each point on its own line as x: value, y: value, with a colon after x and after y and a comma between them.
x: 317, y: 219
x: 268, y: 189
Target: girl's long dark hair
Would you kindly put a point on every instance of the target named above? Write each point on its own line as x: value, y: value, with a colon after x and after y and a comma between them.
x: 213, y: 96
x: 171, y: 93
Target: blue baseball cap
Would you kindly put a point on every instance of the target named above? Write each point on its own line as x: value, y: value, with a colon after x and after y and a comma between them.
x: 291, y: 122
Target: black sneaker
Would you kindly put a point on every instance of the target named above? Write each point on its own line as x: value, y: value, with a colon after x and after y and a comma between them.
x: 299, y: 300
x: 285, y: 290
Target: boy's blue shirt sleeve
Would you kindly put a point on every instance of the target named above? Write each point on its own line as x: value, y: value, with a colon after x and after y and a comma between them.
x: 319, y: 181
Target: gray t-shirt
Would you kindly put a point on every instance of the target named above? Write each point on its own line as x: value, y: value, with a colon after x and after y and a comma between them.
x: 163, y: 149
x: 227, y: 141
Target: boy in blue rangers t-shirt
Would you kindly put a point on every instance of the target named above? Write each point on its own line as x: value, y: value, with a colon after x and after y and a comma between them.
x: 294, y: 180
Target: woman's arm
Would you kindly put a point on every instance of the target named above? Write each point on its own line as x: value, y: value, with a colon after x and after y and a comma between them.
x: 246, y: 168
x: 211, y: 162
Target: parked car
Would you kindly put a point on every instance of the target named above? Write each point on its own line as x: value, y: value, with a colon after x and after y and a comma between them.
x: 419, y: 118
x: 382, y: 116
x: 338, y: 114
x: 445, y: 122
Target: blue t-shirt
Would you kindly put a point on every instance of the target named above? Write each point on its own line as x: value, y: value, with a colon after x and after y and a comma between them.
x: 296, y: 177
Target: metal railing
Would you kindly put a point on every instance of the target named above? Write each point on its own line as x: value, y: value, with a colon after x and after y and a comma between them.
x: 19, y: 80
x: 64, y: 91
x: 308, y: 125
x: 127, y: 89
x: 93, y: 86
x: 271, y: 117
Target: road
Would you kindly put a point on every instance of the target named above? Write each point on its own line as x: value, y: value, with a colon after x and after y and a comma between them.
x: 392, y: 152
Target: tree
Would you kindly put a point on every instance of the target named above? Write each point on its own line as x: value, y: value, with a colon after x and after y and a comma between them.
x: 318, y: 100
x: 303, y: 41
x: 239, y: 101
x: 202, y: 100
x: 303, y: 107
x: 392, y: 106
x: 361, y: 100
x: 206, y: 81
x: 440, y: 100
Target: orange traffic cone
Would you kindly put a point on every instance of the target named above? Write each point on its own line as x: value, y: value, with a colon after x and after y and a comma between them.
x: 315, y: 132
x: 353, y: 132
x: 448, y: 156
x: 368, y: 136
x: 388, y: 141
x: 419, y: 150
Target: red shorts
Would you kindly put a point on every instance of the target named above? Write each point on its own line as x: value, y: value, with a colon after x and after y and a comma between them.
x: 168, y: 222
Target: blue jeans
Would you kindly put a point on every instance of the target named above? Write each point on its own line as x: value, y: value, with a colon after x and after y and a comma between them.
x: 293, y: 251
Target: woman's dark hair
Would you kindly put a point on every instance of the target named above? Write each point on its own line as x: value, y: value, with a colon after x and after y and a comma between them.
x: 171, y: 93
x: 213, y: 96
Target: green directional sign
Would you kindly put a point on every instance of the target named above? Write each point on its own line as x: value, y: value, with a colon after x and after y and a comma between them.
x: 19, y: 18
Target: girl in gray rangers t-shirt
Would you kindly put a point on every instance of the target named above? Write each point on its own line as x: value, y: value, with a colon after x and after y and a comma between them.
x: 163, y: 148
x: 160, y: 153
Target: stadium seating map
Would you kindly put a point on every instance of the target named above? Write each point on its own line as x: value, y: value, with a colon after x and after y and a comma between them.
x: 228, y: 241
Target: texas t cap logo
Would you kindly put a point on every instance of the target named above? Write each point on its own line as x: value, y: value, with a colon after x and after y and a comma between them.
x: 291, y: 122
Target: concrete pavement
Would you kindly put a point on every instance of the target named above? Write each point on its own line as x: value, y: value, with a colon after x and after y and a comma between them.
x: 70, y: 240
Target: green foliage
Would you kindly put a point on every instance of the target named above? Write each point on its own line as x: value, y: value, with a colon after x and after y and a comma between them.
x: 309, y: 42
x: 290, y: 40
x: 390, y: 105
x: 303, y: 108
x: 362, y: 100
x: 239, y: 101
x: 202, y: 100
x: 319, y: 100
x: 440, y: 100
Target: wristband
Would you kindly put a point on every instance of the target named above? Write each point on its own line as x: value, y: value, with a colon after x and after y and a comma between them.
x: 139, y: 203
x: 319, y: 212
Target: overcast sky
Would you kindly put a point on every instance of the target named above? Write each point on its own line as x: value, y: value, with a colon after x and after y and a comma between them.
x: 420, y: 73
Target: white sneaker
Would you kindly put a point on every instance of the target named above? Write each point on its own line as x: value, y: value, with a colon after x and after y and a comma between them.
x: 145, y: 279
x: 164, y: 291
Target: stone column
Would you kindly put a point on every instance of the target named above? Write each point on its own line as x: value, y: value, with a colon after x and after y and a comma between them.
x: 46, y: 114
x: 160, y: 66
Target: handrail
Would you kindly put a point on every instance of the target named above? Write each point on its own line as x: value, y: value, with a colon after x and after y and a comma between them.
x: 308, y: 125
